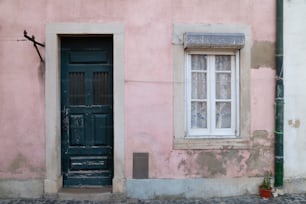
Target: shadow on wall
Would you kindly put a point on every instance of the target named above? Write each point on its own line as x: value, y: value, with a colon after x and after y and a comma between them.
x: 41, y: 77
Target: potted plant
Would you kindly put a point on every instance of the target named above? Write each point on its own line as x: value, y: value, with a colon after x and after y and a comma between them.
x: 265, y: 189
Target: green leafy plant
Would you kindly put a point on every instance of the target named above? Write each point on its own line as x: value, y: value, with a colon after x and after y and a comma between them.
x: 266, y: 183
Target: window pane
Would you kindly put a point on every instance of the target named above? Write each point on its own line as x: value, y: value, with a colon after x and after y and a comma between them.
x: 223, y: 62
x: 223, y: 114
x: 223, y: 86
x: 198, y: 62
x: 198, y: 115
x: 198, y: 87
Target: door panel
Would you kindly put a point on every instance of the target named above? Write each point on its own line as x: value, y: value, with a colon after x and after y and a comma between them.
x: 77, y: 130
x: 87, y: 110
x: 89, y: 163
x: 101, y: 122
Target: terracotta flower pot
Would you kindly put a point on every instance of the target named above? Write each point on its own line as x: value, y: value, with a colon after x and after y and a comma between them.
x: 265, y: 193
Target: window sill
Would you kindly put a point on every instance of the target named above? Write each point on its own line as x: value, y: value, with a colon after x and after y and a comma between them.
x: 216, y: 143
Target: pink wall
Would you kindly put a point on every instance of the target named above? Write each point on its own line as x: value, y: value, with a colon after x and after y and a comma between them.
x: 149, y: 96
x: 148, y: 87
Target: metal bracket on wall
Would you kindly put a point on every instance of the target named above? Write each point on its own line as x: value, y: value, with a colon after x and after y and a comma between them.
x: 35, y: 43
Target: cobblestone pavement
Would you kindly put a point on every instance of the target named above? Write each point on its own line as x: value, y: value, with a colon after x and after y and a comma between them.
x: 248, y: 199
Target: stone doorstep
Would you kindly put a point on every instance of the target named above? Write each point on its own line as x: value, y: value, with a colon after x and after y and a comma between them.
x: 93, y: 194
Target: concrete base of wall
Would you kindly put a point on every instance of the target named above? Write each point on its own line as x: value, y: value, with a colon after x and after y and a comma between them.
x: 21, y: 189
x: 162, y: 188
x: 295, y: 186
x: 191, y: 188
x: 53, y: 186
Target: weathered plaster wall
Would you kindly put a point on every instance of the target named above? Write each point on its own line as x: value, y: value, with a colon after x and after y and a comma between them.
x: 262, y: 53
x: 151, y: 134
x: 295, y: 96
x: 21, y: 93
x: 148, y: 82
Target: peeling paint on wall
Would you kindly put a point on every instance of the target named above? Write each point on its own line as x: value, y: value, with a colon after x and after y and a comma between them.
x: 21, y: 164
x: 294, y: 123
x: 260, y: 134
x: 17, y: 163
x: 261, y: 155
x: 263, y: 54
x: 210, y: 161
x: 214, y: 164
x: 261, y: 138
x: 260, y: 161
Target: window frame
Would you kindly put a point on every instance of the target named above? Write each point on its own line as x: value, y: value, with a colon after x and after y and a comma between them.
x: 211, y: 131
x: 243, y: 139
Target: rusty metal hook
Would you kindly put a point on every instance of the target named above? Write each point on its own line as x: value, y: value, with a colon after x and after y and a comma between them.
x: 35, y: 43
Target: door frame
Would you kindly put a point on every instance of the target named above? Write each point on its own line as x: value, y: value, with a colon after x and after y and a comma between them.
x: 53, y: 179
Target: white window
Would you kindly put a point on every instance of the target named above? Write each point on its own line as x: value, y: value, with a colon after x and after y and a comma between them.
x: 211, y: 67
x: 212, y: 94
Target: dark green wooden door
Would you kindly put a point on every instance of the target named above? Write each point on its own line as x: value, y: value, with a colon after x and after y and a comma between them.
x: 87, y: 110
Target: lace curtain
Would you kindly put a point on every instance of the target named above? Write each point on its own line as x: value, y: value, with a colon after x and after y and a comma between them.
x: 222, y: 90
